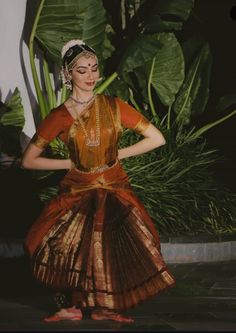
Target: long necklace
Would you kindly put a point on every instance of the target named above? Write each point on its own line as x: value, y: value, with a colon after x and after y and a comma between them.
x: 82, y: 102
x: 92, y: 140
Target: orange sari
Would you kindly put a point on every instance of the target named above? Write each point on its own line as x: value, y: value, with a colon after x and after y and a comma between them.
x: 95, y: 238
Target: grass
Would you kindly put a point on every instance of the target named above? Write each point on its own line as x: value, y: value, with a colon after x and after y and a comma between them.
x: 176, y: 186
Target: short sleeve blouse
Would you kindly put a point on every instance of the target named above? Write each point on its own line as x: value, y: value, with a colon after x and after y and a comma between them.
x: 59, y: 120
x: 131, y: 118
x: 55, y: 124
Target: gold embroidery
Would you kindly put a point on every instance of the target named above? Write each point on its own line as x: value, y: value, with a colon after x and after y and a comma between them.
x: 99, y: 244
x: 121, y: 300
x: 88, y: 158
x: 114, y: 259
x: 39, y: 141
x: 115, y: 115
x: 141, y: 125
x: 166, y: 276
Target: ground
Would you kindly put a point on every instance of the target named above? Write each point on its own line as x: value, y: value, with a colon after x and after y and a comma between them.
x: 204, y: 299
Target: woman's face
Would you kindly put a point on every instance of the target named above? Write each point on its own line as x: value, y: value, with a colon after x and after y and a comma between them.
x: 85, y: 73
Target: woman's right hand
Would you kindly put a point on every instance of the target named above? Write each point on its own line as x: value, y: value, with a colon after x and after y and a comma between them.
x: 32, y: 159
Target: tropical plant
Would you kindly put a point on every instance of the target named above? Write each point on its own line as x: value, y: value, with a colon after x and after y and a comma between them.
x: 11, y: 124
x: 20, y: 204
x: 143, y: 61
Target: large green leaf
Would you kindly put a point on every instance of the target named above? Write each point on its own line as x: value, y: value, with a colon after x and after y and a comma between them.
x: 139, y: 52
x: 191, y: 47
x: 118, y: 88
x: 193, y: 95
x: 160, y: 16
x: 11, y: 123
x: 63, y: 20
x: 163, y: 15
x: 156, y: 24
x: 14, y: 114
x: 168, y: 71
x: 179, y: 8
x: 140, y: 83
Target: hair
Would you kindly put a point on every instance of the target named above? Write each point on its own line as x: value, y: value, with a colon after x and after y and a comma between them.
x: 73, y: 50
x: 70, y: 53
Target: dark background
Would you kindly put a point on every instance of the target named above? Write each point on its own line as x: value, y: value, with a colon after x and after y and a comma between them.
x: 213, y: 20
x: 210, y: 19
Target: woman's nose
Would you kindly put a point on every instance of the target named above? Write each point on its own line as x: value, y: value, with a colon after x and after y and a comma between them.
x: 90, y: 75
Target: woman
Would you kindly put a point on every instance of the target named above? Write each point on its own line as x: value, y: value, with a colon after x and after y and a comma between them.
x: 94, y: 240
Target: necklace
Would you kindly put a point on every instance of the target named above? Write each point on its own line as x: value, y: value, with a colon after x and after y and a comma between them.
x: 92, y: 139
x: 81, y: 102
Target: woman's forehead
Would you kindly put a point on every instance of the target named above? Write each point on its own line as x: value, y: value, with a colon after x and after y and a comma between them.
x: 86, y: 61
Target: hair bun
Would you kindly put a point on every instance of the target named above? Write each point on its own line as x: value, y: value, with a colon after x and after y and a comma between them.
x: 70, y: 44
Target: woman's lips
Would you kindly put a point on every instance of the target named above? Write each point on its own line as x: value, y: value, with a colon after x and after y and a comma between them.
x: 90, y: 83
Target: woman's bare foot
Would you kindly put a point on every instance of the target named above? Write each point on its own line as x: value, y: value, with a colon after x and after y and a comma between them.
x: 110, y: 315
x: 65, y: 314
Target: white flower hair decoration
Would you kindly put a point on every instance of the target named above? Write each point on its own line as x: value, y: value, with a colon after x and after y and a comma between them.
x: 70, y: 44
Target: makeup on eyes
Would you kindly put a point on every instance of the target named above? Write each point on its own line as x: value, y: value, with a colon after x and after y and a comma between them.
x: 82, y: 69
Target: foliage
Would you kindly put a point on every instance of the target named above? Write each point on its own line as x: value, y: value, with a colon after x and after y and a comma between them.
x: 178, y: 190
x: 144, y: 63
x: 11, y: 123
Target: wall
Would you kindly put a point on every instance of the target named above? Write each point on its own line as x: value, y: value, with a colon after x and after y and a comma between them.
x: 12, y: 17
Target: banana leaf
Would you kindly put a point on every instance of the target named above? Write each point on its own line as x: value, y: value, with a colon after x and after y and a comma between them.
x: 139, y: 52
x: 156, y: 24
x: 118, y: 88
x: 63, y: 20
x: 159, y: 16
x: 141, y: 83
x: 14, y: 111
x: 162, y: 16
x: 168, y: 70
x: 190, y: 48
x: 178, y: 8
x: 193, y: 95
x: 11, y: 123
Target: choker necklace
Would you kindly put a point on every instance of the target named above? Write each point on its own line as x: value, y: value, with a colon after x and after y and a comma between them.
x: 81, y: 102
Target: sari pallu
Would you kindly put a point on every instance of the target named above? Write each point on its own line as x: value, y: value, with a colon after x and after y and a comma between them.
x: 97, y: 240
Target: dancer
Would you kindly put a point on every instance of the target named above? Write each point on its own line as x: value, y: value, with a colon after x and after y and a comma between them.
x: 94, y: 241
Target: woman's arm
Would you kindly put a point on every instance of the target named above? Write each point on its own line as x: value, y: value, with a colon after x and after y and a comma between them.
x: 153, y: 138
x: 32, y: 160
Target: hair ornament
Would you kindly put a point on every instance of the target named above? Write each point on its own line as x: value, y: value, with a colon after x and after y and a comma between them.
x: 70, y: 44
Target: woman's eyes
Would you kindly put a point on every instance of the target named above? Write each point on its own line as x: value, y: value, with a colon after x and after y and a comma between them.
x: 93, y: 70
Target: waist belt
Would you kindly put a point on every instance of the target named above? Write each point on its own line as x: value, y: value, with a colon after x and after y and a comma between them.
x: 97, y: 169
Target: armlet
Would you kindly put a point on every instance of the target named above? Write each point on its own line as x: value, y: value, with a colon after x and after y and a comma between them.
x: 141, y: 125
x: 38, y: 141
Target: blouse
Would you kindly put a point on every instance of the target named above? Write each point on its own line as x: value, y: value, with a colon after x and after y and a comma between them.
x: 103, y: 123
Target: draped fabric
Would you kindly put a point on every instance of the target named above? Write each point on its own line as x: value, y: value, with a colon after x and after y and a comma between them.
x: 95, y: 237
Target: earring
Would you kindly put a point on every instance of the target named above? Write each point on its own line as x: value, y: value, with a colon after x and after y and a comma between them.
x: 68, y: 83
x: 66, y: 78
